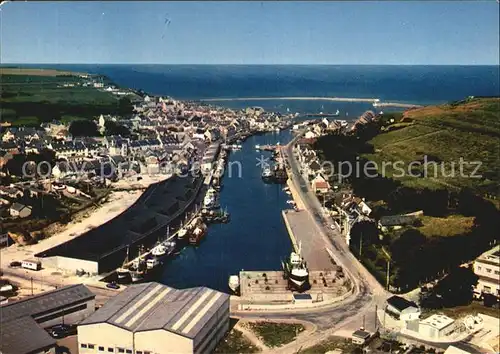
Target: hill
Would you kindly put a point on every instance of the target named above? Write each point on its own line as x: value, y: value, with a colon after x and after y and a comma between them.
x: 468, y: 130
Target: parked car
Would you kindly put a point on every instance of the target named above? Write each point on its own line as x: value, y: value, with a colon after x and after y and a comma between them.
x: 112, y: 285
x: 15, y: 264
x: 62, y: 330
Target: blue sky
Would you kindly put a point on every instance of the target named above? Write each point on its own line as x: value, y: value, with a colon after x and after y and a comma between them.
x: 399, y: 32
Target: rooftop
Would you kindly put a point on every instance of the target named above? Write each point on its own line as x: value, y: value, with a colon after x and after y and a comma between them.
x: 438, y: 321
x: 43, y: 302
x: 152, y: 306
x: 18, y: 324
x: 400, y: 303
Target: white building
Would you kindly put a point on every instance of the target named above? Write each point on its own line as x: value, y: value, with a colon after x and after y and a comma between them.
x: 436, y: 326
x: 487, y: 268
x: 152, y: 318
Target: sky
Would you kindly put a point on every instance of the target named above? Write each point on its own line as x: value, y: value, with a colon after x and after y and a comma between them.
x: 372, y: 32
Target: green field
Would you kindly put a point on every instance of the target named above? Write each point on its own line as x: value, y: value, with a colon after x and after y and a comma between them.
x: 35, y: 96
x: 446, y: 133
x: 276, y: 334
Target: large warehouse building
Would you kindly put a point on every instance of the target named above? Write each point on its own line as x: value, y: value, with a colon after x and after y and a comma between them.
x: 152, y: 318
x: 22, y: 322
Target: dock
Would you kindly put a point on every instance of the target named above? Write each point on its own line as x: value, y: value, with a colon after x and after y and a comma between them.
x: 270, y: 286
x: 302, y: 230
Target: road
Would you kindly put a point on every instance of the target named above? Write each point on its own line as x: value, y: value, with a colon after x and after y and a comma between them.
x: 348, y: 315
x: 26, y: 278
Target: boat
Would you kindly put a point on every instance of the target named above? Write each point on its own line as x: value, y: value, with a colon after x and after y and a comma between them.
x: 159, y: 251
x: 152, y: 263
x: 138, y: 270
x: 277, y: 129
x: 123, y: 273
x: 295, y: 270
x: 211, y: 200
x: 267, y: 173
x: 182, y: 233
x: 257, y: 147
x: 234, y: 283
x: 290, y: 202
x: 280, y: 174
x: 197, y: 235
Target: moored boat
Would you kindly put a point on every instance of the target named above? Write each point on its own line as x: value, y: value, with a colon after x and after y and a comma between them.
x: 197, y: 234
x: 295, y: 270
x: 234, y: 283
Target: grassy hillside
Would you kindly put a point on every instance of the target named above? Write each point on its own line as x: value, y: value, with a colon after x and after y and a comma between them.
x: 32, y: 96
x: 468, y: 129
x: 461, y: 215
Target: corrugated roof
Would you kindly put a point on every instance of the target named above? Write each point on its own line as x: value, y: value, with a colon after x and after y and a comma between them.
x: 153, y: 306
x: 19, y: 331
x: 23, y: 335
x: 44, y: 302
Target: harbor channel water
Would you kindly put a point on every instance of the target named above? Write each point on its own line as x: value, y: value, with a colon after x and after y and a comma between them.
x: 255, y: 238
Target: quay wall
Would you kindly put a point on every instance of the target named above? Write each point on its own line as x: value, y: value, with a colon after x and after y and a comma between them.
x: 290, y: 231
x: 327, y: 301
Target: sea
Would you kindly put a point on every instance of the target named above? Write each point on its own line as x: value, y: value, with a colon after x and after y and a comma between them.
x: 256, y: 237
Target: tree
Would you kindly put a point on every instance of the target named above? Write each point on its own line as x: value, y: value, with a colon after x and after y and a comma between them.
x: 125, y: 106
x: 113, y: 128
x: 83, y: 128
x: 457, y: 288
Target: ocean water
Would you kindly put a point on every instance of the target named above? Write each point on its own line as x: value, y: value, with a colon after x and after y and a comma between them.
x: 256, y: 238
x: 411, y: 84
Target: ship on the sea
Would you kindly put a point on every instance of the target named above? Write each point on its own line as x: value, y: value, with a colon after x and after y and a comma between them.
x: 295, y: 270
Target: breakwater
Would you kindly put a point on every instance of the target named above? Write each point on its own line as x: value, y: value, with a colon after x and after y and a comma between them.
x: 333, y: 99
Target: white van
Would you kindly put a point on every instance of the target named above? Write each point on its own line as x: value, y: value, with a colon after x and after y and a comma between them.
x: 31, y: 264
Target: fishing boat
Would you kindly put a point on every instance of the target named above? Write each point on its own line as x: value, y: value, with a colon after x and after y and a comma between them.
x: 138, y: 270
x: 152, y: 263
x: 211, y: 200
x: 123, y: 273
x: 181, y: 235
x: 197, y: 235
x: 267, y: 173
x: 234, y: 283
x: 295, y: 270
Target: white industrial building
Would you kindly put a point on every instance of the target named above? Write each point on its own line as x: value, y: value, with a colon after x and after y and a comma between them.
x: 23, y: 322
x: 152, y: 318
x: 436, y: 326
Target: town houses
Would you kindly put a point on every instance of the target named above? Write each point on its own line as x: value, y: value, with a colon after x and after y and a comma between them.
x: 162, y: 134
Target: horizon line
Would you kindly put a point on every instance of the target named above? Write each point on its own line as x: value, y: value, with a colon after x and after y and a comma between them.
x: 234, y: 64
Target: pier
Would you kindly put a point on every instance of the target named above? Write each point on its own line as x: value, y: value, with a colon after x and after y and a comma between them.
x: 271, y: 287
x: 302, y: 231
